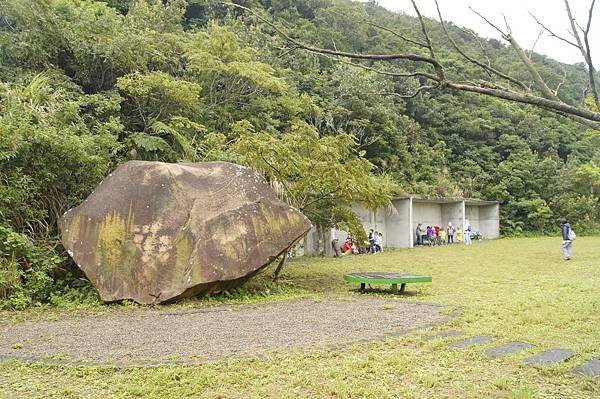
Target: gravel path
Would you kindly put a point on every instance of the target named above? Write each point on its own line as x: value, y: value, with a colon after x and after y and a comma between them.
x: 149, y: 337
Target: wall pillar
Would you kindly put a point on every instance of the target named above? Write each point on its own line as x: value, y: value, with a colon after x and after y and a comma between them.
x: 489, y: 220
x: 411, y: 234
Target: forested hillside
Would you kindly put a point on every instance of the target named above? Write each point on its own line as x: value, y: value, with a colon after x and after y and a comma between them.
x: 87, y: 85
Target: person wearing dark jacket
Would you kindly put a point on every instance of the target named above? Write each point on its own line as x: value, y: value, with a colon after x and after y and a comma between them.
x: 567, y: 244
x: 419, y: 234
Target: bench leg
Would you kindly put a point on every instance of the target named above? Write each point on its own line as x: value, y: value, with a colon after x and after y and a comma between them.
x: 362, y: 287
x: 402, y: 287
x: 394, y: 288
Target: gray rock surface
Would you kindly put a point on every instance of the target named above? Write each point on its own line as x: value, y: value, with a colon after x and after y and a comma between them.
x: 472, y: 341
x: 154, y: 232
x: 590, y: 368
x: 443, y: 334
x: 507, y: 349
x: 550, y: 357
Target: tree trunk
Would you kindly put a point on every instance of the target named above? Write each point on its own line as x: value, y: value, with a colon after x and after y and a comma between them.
x: 280, y: 266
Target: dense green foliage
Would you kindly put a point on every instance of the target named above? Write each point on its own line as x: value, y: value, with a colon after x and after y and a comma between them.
x: 87, y: 85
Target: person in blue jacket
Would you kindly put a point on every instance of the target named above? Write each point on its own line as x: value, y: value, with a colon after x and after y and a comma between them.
x: 567, y: 244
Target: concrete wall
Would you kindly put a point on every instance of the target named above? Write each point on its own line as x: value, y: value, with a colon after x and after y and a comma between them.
x: 489, y: 220
x: 472, y: 215
x: 398, y: 232
x: 376, y: 220
x: 317, y: 242
x: 426, y: 213
x: 453, y: 212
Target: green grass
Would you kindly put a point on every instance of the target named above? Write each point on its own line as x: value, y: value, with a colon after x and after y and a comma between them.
x: 513, y: 289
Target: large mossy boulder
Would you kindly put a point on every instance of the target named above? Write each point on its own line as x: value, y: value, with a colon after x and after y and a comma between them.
x: 153, y: 232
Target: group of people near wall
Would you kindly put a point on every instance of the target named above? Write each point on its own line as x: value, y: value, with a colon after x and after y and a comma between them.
x: 430, y: 235
x: 436, y: 235
x: 373, y: 246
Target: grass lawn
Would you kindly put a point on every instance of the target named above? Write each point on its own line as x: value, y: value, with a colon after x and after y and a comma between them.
x: 513, y: 289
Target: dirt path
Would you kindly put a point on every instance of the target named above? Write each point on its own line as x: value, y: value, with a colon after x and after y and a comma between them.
x: 149, y: 337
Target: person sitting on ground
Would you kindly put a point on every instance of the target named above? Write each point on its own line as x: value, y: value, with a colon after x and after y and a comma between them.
x: 354, y: 246
x: 347, y: 247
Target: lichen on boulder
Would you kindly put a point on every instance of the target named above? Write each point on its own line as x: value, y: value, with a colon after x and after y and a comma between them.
x: 153, y: 232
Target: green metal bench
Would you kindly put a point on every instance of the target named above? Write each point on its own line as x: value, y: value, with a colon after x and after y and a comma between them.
x: 386, y: 278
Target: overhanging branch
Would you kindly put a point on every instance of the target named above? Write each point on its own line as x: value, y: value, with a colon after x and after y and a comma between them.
x: 549, y: 99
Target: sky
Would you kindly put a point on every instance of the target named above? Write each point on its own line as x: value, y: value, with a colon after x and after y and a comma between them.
x: 524, y: 28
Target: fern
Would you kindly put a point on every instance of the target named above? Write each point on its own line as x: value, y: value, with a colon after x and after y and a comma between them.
x: 179, y: 139
x: 149, y: 143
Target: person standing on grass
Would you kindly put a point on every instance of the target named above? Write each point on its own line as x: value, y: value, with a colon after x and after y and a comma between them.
x: 419, y: 234
x: 450, y: 233
x: 568, y: 236
x: 467, y: 234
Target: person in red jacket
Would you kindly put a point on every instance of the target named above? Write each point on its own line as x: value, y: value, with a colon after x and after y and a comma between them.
x: 347, y: 247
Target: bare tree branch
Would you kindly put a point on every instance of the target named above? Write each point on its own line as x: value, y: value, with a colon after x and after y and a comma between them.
x: 382, y: 57
x: 384, y: 28
x: 419, y: 89
x: 474, y: 60
x: 334, y: 46
x: 398, y: 35
x: 481, y: 46
x: 574, y: 30
x: 388, y: 73
x: 591, y: 71
x: 548, y: 100
x: 584, y: 49
x: 551, y: 32
x: 502, y: 33
x: 533, y: 72
x: 287, y: 51
x: 537, y: 39
x: 564, y: 79
x: 592, y: 118
x: 438, y: 68
x: 506, y: 24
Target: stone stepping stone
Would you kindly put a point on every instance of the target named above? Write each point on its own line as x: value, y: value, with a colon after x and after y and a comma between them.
x: 550, y: 357
x: 468, y: 342
x: 588, y: 369
x: 443, y: 334
x: 507, y: 349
